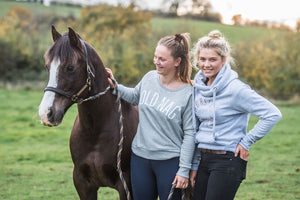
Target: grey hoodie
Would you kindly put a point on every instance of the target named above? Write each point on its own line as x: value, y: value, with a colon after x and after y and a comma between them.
x: 221, y: 113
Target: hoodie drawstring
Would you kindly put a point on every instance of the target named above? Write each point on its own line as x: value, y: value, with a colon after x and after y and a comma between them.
x: 214, y: 106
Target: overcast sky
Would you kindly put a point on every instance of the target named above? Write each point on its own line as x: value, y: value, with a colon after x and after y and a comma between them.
x: 287, y: 11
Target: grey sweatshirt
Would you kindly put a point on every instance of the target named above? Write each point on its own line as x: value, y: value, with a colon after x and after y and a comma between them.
x: 222, y: 111
x: 165, y: 127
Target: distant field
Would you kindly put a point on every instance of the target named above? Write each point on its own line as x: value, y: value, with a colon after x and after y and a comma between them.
x: 160, y: 26
x: 37, y: 8
x: 35, y: 161
x: 198, y: 29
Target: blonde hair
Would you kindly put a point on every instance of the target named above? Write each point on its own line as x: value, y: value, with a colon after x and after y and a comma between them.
x: 179, y: 46
x: 214, y: 40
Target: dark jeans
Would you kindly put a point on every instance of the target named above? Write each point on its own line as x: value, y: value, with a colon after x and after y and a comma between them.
x: 219, y: 176
x: 153, y: 178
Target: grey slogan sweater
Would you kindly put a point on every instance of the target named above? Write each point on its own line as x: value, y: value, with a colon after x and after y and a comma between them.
x: 165, y: 127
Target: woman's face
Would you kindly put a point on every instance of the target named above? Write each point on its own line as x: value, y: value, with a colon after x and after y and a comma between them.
x: 164, y: 61
x: 210, y: 63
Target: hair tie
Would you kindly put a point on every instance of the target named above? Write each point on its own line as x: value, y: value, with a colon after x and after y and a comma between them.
x: 178, y: 37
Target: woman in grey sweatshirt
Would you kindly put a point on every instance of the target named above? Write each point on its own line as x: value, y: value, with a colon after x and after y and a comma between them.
x: 163, y: 146
x: 222, y: 105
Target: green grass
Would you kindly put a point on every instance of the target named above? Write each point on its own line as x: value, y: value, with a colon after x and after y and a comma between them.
x: 197, y: 29
x: 274, y: 163
x: 37, y: 8
x: 35, y: 160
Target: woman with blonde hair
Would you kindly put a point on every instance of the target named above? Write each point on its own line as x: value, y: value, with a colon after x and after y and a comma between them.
x: 222, y: 105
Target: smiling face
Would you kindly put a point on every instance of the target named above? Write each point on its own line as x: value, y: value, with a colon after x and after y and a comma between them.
x: 210, y: 63
x: 165, y: 63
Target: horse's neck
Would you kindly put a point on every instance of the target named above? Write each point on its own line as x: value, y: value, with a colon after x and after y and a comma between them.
x: 95, y: 111
x: 100, y: 80
x: 96, y: 114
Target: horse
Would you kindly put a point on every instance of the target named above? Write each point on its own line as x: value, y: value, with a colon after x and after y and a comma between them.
x: 77, y: 75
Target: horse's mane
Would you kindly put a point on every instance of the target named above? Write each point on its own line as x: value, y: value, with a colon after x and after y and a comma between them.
x: 62, y: 50
x: 68, y: 54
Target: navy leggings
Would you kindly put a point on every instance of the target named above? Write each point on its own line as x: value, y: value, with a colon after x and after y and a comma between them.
x: 153, y: 178
x: 219, y: 176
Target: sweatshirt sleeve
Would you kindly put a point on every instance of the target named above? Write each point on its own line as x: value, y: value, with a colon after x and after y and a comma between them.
x: 188, y: 144
x: 196, y: 158
x: 249, y: 101
x: 131, y: 95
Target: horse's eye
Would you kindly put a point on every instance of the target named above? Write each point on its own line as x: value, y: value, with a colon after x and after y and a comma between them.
x: 70, y: 68
x: 47, y: 67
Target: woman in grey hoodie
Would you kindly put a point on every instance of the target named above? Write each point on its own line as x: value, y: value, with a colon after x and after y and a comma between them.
x: 222, y: 105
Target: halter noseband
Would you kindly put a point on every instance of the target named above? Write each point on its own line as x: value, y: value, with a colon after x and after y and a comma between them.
x: 75, y: 98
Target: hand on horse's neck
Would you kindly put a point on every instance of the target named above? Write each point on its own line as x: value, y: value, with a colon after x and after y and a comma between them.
x: 171, y: 82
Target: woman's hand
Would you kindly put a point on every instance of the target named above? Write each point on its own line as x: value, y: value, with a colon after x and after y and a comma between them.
x: 244, y: 154
x: 181, y: 182
x: 193, y: 174
x: 110, y: 76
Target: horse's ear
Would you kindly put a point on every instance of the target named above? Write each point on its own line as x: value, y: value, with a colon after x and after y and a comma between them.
x: 55, y: 34
x: 74, y: 39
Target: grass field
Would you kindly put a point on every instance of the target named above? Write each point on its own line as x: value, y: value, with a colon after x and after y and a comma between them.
x: 37, y: 8
x: 35, y: 161
x: 197, y: 29
x: 160, y: 26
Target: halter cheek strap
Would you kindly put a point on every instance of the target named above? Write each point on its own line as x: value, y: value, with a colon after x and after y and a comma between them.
x: 88, y: 68
x: 75, y: 98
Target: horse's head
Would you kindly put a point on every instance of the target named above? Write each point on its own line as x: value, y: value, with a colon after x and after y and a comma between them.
x: 70, y: 76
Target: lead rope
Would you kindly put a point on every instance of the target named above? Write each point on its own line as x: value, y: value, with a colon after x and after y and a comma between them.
x: 121, y: 145
x: 183, y: 193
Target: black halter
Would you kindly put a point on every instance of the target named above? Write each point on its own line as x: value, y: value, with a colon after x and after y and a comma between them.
x: 75, y: 97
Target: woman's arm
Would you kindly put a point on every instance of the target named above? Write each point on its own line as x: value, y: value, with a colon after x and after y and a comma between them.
x: 131, y: 95
x: 188, y: 144
x: 268, y: 114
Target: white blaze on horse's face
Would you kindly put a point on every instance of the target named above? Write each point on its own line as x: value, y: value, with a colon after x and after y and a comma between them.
x: 48, y: 99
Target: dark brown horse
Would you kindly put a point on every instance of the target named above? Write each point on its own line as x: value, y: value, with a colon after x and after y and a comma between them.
x: 76, y: 72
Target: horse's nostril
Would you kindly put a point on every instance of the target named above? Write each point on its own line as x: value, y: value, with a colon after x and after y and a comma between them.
x: 50, y: 114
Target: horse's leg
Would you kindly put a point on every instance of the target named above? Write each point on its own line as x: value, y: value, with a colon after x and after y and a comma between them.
x: 85, y: 190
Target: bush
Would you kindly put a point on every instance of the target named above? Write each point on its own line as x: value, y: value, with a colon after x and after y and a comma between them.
x: 121, y: 33
x: 21, y: 49
x: 272, y: 65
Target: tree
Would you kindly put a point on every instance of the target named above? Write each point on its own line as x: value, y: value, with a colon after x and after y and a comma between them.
x: 18, y: 34
x: 173, y: 6
x: 298, y: 26
x: 21, y: 52
x: 195, y: 9
x: 119, y: 34
x: 201, y: 7
x: 271, y: 65
x: 237, y: 19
